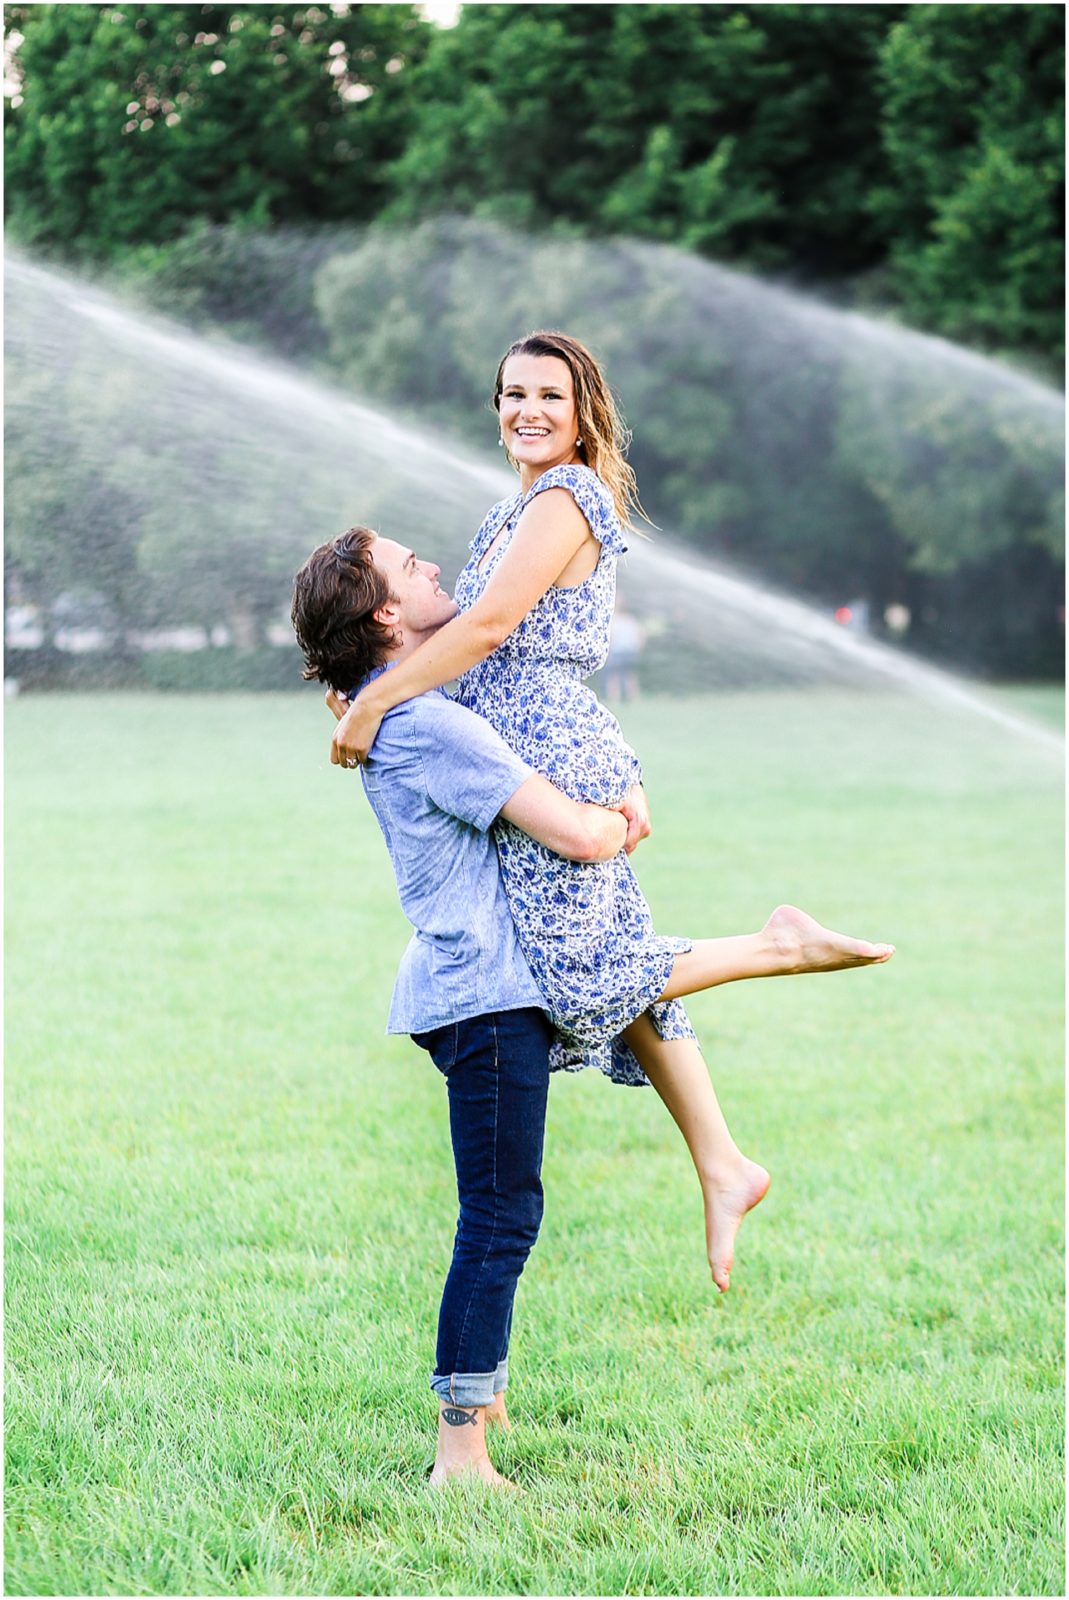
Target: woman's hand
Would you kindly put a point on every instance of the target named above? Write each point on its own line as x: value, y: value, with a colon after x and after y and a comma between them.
x: 336, y: 703
x: 356, y: 730
x: 636, y: 809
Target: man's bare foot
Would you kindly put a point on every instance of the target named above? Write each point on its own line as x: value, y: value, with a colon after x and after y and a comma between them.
x: 482, y: 1469
x: 462, y: 1446
x: 728, y: 1197
x: 496, y: 1415
x: 801, y: 944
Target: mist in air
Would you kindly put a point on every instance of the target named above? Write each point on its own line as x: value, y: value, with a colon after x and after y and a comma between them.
x: 810, y: 471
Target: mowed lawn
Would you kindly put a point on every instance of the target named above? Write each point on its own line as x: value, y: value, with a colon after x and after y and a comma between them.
x: 230, y: 1198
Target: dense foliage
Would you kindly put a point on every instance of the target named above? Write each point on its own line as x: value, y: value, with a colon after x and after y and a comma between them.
x: 892, y: 155
x: 134, y: 122
x: 919, y: 144
x: 973, y: 130
x: 748, y: 132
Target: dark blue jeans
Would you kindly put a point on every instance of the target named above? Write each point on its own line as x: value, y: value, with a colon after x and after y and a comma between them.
x: 496, y: 1069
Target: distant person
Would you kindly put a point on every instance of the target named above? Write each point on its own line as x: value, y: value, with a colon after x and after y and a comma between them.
x: 627, y: 637
x: 536, y: 599
x: 856, y: 615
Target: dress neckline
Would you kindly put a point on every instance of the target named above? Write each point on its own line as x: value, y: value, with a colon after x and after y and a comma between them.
x: 481, y: 548
x: 483, y: 559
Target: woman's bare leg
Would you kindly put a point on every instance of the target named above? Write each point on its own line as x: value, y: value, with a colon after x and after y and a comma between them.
x: 731, y: 1184
x: 791, y: 941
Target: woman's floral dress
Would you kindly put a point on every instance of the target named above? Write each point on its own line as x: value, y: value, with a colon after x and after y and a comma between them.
x: 585, y: 928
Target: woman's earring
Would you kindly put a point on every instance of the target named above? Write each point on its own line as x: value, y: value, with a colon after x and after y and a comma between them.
x: 500, y: 442
x: 578, y: 442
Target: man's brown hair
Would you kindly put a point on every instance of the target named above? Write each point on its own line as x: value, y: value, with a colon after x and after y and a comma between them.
x: 335, y: 597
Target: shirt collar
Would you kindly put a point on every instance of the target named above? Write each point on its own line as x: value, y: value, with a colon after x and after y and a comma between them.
x: 376, y: 672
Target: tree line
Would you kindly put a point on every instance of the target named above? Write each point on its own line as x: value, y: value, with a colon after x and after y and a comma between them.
x: 910, y: 152
x: 389, y: 202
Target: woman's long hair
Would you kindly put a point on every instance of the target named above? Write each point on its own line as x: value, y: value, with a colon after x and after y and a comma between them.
x: 601, y: 428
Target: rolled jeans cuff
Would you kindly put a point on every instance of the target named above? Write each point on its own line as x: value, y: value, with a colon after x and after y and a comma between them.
x: 471, y: 1388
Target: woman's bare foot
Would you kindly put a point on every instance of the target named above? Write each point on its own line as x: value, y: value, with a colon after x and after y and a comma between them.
x: 801, y: 944
x: 728, y: 1196
x: 496, y: 1415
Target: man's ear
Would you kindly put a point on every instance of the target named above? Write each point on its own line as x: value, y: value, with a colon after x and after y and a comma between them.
x: 389, y: 614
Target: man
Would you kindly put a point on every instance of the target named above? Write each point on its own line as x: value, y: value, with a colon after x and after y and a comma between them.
x: 438, y: 778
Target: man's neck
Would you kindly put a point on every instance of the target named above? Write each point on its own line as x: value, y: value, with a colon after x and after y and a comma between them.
x: 410, y: 643
x: 408, y: 647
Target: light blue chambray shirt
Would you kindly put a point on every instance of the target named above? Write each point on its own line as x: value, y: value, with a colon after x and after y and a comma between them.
x: 437, y: 776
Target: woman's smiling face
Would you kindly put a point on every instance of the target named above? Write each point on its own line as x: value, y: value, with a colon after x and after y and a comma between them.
x: 537, y: 411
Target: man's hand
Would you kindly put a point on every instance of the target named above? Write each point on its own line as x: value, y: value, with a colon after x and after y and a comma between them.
x: 355, y: 733
x: 636, y: 809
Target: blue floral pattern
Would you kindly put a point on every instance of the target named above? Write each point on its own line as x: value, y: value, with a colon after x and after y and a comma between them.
x: 585, y: 928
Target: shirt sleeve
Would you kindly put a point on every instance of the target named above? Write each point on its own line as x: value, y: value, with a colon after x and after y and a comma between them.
x: 470, y: 771
x: 591, y: 496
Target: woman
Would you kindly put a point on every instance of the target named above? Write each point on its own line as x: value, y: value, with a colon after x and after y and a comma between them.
x: 536, y: 601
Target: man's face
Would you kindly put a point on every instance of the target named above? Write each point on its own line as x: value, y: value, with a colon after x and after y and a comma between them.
x: 421, y: 605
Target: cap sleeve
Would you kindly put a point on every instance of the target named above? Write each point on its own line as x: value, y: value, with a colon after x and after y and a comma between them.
x: 593, y: 499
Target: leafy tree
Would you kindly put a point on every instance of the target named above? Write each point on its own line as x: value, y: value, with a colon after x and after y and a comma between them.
x: 973, y: 126
x: 913, y: 149
x: 765, y: 153
x: 135, y: 119
x: 750, y: 131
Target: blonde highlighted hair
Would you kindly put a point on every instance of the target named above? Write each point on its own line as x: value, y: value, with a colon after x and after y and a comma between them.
x: 601, y: 428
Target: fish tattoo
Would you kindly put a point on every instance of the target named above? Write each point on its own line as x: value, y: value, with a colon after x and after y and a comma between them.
x: 457, y: 1418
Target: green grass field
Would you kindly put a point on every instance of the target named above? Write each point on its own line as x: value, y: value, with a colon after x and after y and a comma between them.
x: 230, y: 1198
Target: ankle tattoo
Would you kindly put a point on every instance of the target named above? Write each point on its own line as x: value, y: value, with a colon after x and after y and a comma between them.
x: 456, y: 1418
